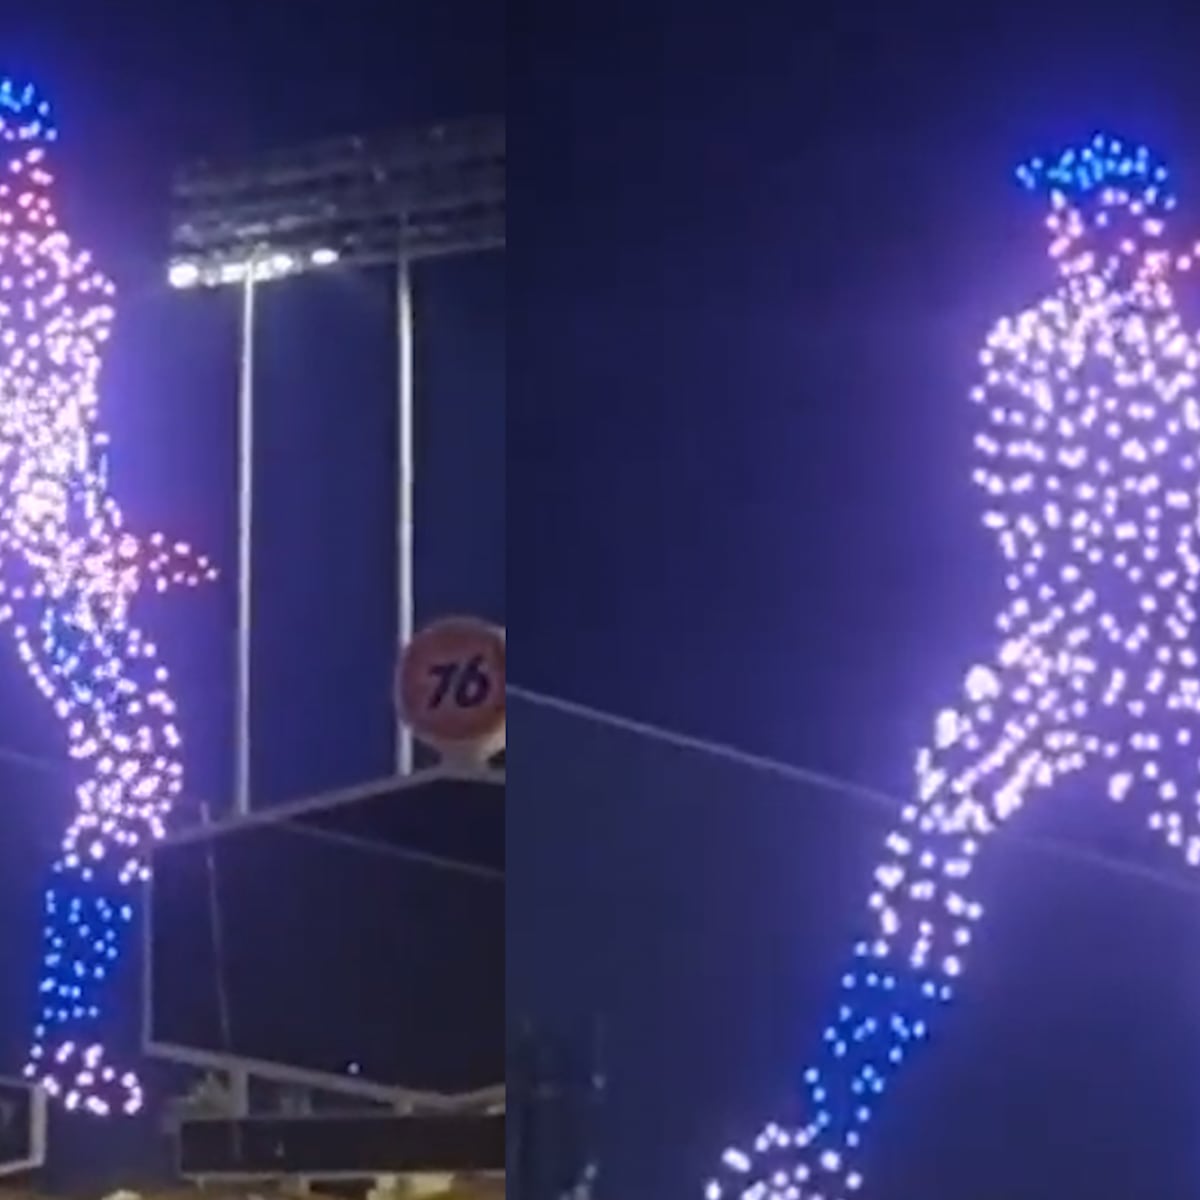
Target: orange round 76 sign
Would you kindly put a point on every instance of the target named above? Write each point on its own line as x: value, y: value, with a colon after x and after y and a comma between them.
x: 451, y: 686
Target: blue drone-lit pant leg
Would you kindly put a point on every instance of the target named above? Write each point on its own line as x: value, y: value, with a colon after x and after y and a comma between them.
x: 122, y: 738
x: 922, y: 920
x: 88, y: 924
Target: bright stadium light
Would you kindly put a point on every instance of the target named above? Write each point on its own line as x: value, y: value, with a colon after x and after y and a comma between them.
x: 183, y: 274
x: 349, y: 202
x: 354, y: 201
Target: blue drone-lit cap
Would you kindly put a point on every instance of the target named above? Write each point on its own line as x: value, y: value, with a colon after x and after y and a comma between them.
x: 1104, y: 162
x: 24, y: 112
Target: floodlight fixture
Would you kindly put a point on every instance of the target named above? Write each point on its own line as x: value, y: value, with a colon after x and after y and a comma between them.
x: 358, y: 201
x: 350, y: 202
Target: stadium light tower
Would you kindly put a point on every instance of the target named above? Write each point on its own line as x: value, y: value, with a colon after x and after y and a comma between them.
x: 361, y: 202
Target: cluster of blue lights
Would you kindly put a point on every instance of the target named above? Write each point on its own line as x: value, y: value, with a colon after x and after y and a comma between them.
x: 29, y: 114
x: 1088, y: 456
x: 1105, y: 162
x: 69, y: 571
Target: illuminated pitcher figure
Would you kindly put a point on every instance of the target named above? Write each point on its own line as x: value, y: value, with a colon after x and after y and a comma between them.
x: 69, y: 571
x: 1089, y: 431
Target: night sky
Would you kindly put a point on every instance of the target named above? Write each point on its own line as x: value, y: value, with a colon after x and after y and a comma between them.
x: 756, y: 252
x: 756, y: 255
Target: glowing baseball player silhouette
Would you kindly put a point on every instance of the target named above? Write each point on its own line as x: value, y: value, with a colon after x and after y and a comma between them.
x: 1088, y: 440
x: 68, y: 573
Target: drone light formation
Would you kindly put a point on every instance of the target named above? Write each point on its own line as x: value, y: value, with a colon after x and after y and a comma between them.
x: 1089, y: 431
x: 69, y: 570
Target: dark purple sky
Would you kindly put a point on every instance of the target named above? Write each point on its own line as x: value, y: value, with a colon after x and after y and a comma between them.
x: 755, y: 256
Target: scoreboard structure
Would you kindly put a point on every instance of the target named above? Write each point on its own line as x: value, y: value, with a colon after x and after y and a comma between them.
x: 318, y: 1091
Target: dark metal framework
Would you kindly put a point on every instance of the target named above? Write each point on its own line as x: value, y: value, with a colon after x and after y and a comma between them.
x: 370, y: 817
x: 356, y: 200
x: 23, y: 1125
x: 342, y: 1145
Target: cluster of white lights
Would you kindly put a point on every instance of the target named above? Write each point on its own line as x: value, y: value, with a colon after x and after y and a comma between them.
x: 186, y: 273
x: 69, y: 571
x: 1089, y: 452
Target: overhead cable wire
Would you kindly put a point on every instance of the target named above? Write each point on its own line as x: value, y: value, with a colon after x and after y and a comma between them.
x: 419, y: 858
x: 873, y: 797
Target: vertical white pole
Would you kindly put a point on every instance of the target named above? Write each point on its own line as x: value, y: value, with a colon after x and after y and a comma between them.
x: 404, y: 486
x: 239, y: 1098
x: 239, y: 1080
x: 245, y: 610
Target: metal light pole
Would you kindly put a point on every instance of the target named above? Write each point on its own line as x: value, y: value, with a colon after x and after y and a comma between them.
x: 245, y: 536
x: 405, y: 521
x: 394, y: 200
